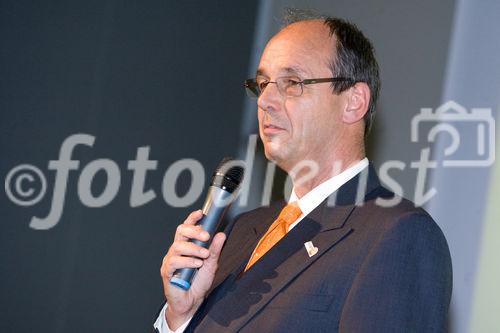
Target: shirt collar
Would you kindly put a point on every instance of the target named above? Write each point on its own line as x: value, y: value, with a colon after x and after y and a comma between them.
x: 313, y: 198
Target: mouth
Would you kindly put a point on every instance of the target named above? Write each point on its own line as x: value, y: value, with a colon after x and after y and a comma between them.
x: 272, y: 129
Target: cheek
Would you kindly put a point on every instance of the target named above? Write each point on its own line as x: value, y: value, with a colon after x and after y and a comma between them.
x: 301, y: 115
x: 314, y: 122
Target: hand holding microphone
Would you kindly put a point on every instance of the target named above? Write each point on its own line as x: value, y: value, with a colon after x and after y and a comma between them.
x: 189, y: 267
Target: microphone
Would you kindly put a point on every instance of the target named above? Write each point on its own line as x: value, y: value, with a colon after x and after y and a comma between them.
x: 221, y: 193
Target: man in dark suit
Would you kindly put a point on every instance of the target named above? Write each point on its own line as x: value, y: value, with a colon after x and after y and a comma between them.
x: 344, y: 254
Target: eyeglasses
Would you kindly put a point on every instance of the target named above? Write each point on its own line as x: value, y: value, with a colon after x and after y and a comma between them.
x: 288, y: 86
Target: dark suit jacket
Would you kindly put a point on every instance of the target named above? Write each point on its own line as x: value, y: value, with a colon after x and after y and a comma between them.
x: 376, y: 270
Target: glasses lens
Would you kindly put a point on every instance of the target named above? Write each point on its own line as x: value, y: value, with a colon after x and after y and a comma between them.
x: 290, y: 86
x: 252, y: 88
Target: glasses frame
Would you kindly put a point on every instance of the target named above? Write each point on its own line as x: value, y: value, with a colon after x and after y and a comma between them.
x: 253, y: 90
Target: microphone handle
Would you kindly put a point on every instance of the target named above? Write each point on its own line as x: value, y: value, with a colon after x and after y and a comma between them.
x: 214, y: 209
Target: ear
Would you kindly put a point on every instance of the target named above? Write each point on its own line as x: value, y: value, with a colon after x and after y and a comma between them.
x: 358, y: 99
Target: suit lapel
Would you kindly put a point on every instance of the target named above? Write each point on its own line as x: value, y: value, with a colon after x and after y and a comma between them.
x: 280, y: 265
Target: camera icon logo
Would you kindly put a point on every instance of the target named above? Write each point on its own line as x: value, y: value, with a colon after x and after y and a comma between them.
x: 453, y: 120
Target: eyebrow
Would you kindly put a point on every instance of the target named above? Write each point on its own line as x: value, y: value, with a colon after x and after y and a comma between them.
x: 295, y: 70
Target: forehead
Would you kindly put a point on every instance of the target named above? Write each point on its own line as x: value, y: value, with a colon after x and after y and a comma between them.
x: 304, y: 48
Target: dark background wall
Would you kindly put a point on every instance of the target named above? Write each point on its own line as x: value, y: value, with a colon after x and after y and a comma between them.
x: 164, y: 74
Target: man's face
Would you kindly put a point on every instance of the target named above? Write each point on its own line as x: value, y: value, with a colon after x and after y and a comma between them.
x: 300, y: 128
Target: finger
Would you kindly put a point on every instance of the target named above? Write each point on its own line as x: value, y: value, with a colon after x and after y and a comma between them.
x: 185, y: 232
x: 215, y: 248
x: 217, y: 244
x: 190, y: 220
x: 178, y: 262
x: 183, y: 248
x: 193, y: 217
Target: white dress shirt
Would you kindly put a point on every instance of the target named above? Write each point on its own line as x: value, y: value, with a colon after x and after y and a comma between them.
x: 307, y: 204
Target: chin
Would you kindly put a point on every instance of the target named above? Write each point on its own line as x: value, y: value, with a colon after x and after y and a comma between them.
x: 269, y: 155
x: 274, y: 154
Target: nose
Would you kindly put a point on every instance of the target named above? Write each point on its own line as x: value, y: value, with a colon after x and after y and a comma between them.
x: 270, y: 98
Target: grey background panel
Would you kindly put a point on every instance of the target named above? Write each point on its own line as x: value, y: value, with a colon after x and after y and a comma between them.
x: 472, y: 80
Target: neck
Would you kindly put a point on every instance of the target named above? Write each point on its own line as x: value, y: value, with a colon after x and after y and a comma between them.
x: 305, y: 179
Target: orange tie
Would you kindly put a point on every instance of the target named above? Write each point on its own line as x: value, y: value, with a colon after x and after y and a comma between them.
x: 276, y: 231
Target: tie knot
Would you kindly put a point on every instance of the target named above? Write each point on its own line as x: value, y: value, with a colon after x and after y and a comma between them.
x: 290, y: 213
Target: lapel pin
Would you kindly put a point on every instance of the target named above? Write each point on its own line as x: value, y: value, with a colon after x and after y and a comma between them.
x: 310, y: 248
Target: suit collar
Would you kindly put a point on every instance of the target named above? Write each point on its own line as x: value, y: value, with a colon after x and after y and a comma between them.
x: 331, y: 214
x: 355, y: 191
x: 337, y: 207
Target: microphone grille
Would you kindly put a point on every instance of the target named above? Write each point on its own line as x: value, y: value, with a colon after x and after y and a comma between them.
x: 228, y: 174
